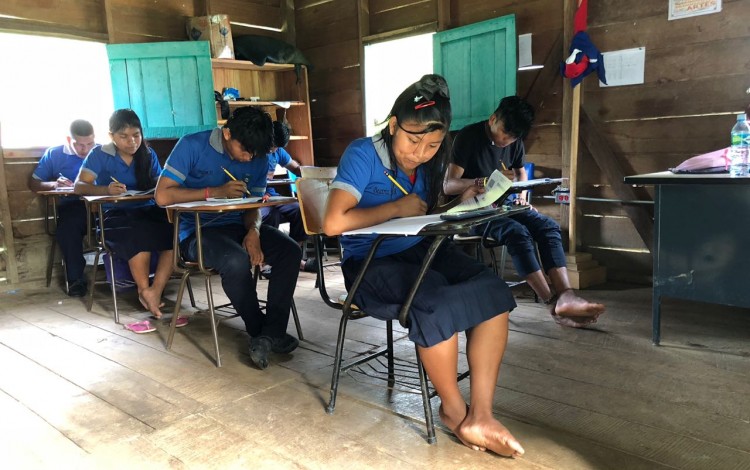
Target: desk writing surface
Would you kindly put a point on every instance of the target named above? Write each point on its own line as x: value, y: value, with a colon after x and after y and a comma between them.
x: 667, y: 177
x: 118, y: 198
x: 230, y: 204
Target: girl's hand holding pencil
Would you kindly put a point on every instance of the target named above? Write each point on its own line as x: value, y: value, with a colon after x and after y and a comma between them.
x: 115, y: 187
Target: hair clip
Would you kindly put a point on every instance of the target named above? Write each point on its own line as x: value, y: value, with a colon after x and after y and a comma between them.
x: 424, y: 105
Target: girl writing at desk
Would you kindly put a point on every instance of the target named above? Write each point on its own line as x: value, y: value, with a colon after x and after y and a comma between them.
x: 133, y: 230
x: 399, y: 173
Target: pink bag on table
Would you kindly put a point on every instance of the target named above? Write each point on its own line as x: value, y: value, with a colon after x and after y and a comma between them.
x: 712, y: 162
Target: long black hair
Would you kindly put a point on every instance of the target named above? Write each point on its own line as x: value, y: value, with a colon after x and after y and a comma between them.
x: 426, y: 102
x: 121, y: 119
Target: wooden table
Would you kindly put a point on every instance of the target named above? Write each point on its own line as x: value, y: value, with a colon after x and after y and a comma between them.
x: 701, y: 225
x: 52, y: 196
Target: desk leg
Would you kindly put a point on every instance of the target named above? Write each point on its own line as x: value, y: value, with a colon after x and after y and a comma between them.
x: 403, y: 316
x: 656, y: 317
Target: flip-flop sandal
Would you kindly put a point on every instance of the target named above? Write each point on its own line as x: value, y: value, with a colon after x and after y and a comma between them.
x: 140, y: 327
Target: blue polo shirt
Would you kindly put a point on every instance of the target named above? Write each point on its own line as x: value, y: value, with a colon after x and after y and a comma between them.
x: 280, y: 157
x: 56, y: 161
x: 196, y: 162
x: 361, y: 174
x: 105, y: 163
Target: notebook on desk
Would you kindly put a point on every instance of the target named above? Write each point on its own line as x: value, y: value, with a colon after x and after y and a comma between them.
x: 497, y: 189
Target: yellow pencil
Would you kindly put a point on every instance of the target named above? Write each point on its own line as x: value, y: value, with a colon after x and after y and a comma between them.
x: 393, y: 180
x: 503, y: 164
x: 113, y: 179
x: 234, y: 179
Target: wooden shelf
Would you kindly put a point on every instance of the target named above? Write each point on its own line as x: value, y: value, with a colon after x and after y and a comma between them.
x: 239, y: 103
x: 298, y: 137
x: 247, y: 65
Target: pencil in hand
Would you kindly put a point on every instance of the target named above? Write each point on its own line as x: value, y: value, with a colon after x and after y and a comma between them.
x: 235, y: 179
x: 395, y: 183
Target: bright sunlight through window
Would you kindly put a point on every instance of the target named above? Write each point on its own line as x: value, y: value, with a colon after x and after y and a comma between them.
x: 389, y: 68
x: 46, y: 83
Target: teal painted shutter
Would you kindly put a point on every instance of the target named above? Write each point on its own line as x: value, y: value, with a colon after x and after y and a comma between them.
x: 479, y: 63
x: 168, y: 84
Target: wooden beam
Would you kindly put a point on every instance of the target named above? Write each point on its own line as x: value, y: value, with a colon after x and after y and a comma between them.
x: 108, y: 21
x: 430, y: 27
x: 11, y: 265
x: 363, y: 19
x: 612, y: 169
x: 288, y: 25
x: 42, y: 28
x: 569, y: 9
x: 443, y: 15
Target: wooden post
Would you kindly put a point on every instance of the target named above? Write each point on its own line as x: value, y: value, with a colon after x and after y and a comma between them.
x: 573, y: 182
x: 288, y: 27
x: 363, y: 19
x: 11, y: 265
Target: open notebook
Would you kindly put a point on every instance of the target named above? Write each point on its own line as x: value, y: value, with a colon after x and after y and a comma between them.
x: 497, y: 189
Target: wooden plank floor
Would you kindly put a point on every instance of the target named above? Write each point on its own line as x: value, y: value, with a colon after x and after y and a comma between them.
x: 79, y: 391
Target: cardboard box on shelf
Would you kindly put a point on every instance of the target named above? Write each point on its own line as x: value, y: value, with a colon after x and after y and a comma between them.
x: 216, y: 30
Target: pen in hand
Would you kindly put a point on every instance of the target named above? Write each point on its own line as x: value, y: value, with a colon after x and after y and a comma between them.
x: 63, y: 179
x: 235, y: 179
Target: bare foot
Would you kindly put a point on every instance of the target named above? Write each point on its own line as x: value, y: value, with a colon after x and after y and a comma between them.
x: 453, y: 421
x: 151, y: 301
x: 487, y: 433
x: 575, y: 312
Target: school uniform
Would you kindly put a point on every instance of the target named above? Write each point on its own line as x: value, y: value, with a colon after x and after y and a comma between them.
x: 457, y: 293
x: 276, y: 215
x: 474, y: 151
x: 196, y: 162
x: 71, y: 211
x: 130, y: 227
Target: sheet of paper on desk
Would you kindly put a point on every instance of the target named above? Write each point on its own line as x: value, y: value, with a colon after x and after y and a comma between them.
x: 135, y: 192
x: 404, y: 226
x: 64, y: 189
x: 497, y: 185
x: 535, y: 182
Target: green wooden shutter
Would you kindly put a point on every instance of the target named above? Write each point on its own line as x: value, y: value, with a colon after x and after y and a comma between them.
x: 168, y: 84
x: 479, y: 63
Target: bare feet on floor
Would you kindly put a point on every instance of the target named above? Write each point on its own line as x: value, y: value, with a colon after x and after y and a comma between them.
x: 575, y: 312
x: 486, y: 433
x: 151, y: 301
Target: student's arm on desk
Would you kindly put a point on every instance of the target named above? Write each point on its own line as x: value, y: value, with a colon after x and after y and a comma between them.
x: 85, y: 185
x: 169, y: 191
x: 252, y: 220
x: 343, y: 215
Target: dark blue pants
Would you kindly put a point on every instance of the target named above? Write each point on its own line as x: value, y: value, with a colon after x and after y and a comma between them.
x: 224, y: 252
x: 71, y: 228
x: 519, y: 232
x: 276, y: 215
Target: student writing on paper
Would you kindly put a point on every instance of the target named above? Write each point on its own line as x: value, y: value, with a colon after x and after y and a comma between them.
x: 133, y: 230
x: 58, y: 169
x: 458, y: 293
x: 234, y: 242
x: 497, y: 143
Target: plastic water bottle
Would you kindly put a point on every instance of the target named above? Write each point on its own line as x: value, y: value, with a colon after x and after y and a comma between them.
x: 739, y: 152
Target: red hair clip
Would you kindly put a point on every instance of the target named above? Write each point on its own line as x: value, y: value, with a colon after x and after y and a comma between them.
x: 424, y: 105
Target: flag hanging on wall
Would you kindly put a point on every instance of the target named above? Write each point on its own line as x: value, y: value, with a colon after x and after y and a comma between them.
x: 584, y: 57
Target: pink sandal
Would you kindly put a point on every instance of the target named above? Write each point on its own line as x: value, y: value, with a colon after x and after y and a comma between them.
x: 181, y: 321
x: 140, y: 327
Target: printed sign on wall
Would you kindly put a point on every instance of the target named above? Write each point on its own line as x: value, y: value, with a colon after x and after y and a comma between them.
x: 679, y: 9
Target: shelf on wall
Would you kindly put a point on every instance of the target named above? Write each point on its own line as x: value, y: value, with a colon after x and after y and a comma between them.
x: 247, y: 65
x: 239, y: 103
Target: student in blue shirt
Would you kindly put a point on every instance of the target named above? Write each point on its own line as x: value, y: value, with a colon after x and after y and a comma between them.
x: 133, y: 230
x: 235, y: 242
x: 58, y: 168
x: 289, y: 213
x: 458, y: 293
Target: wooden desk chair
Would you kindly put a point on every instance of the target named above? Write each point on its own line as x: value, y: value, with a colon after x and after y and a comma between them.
x: 216, y: 313
x: 313, y: 194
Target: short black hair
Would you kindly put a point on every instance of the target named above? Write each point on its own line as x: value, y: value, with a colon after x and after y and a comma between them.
x: 81, y: 128
x: 280, y: 134
x: 252, y: 128
x: 517, y: 116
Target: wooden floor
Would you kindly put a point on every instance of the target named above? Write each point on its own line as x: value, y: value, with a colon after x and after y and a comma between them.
x: 79, y: 391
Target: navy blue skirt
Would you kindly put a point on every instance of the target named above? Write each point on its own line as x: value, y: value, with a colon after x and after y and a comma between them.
x: 457, y: 293
x: 131, y: 231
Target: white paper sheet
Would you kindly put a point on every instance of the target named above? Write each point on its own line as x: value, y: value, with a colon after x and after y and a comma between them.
x: 625, y: 67
x: 404, y: 226
x: 496, y: 186
x: 524, y: 50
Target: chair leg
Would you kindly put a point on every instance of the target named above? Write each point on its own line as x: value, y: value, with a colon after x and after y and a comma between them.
x: 212, y: 316
x: 296, y: 322
x: 503, y: 257
x: 114, y: 287
x: 51, y: 262
x: 431, y: 438
x: 190, y: 292
x: 92, y: 284
x: 337, y: 363
x: 184, y: 280
x: 391, y: 367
